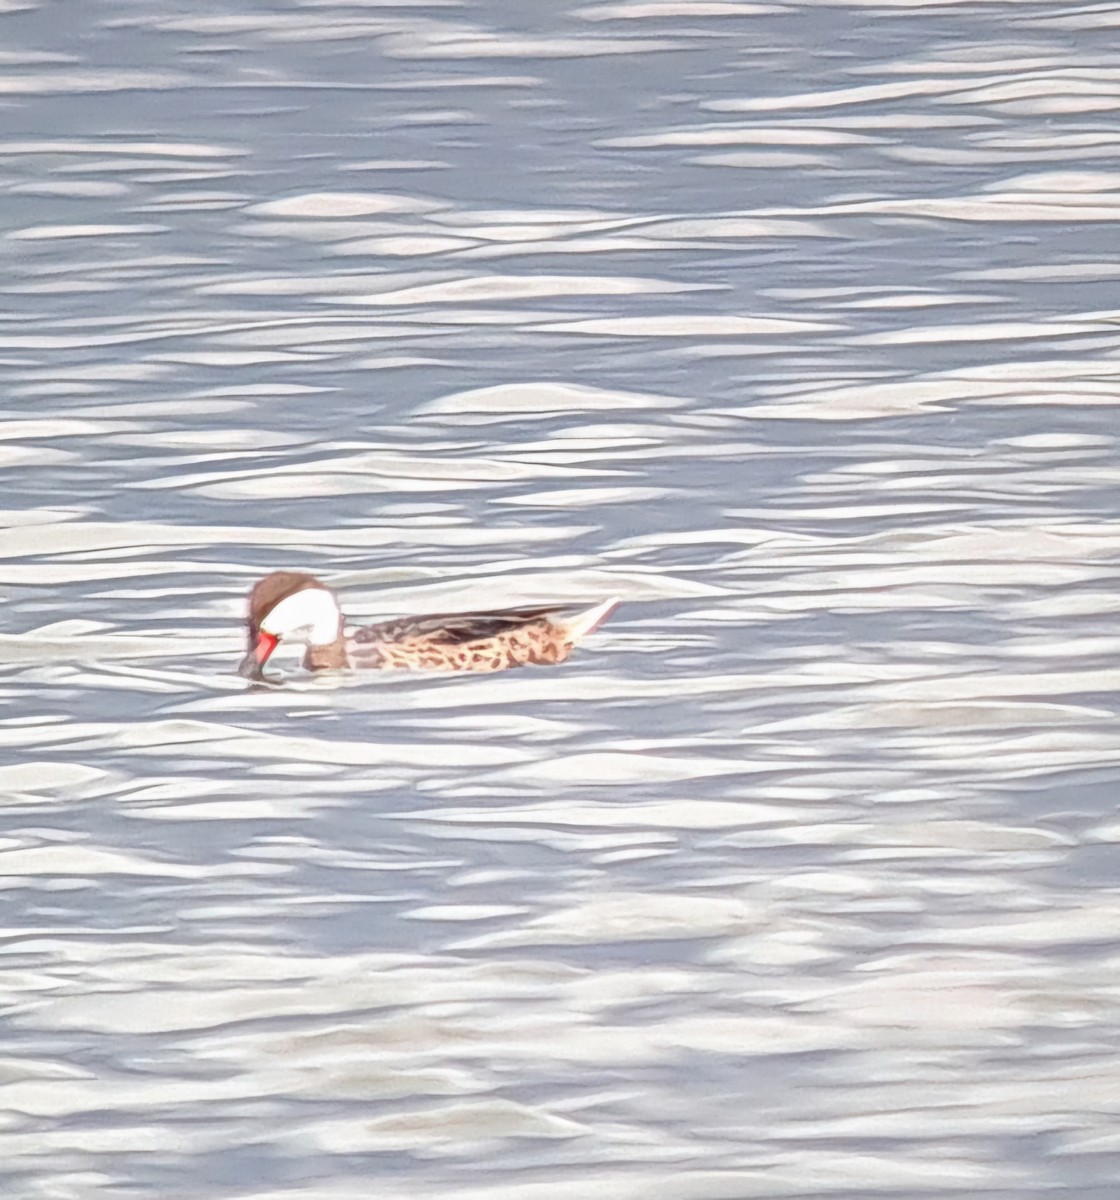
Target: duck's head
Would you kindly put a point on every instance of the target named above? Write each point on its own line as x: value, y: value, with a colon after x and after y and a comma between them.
x: 292, y: 607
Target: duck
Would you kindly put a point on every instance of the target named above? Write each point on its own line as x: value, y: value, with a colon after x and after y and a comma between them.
x: 295, y: 607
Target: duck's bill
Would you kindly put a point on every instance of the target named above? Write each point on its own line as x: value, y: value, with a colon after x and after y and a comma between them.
x: 252, y: 665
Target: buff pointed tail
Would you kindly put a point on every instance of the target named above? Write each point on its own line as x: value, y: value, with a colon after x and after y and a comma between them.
x: 590, y: 619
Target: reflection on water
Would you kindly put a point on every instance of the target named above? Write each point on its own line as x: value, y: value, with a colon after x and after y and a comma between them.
x: 793, y: 325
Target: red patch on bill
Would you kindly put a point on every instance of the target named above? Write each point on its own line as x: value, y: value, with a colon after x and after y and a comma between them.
x: 266, y: 643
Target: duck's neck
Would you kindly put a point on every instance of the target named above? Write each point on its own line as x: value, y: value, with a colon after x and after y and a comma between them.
x: 327, y: 658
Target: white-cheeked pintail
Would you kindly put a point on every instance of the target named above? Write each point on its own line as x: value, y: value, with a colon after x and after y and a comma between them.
x: 293, y: 607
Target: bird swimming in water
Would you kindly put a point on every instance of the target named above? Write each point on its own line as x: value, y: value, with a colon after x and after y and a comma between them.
x: 293, y: 607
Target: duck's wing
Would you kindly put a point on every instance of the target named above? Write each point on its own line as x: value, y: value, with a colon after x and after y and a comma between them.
x: 455, y: 629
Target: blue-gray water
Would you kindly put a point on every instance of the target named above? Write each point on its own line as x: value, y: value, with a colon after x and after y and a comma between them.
x: 795, y: 324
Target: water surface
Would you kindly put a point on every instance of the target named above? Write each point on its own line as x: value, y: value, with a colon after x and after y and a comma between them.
x: 793, y: 324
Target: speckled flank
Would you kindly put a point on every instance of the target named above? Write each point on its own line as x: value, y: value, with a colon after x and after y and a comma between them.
x: 488, y: 641
x: 539, y: 642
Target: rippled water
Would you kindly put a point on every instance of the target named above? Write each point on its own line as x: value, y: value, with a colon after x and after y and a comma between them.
x: 794, y: 324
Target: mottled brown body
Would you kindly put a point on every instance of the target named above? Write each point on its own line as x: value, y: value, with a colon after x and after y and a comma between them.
x: 479, y: 642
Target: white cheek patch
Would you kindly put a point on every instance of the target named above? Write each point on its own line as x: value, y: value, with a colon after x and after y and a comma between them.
x: 312, y: 614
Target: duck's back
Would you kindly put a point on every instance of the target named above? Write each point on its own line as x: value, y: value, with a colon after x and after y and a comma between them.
x: 491, y: 641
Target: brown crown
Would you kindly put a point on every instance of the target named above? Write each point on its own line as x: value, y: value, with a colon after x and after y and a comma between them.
x: 268, y: 593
